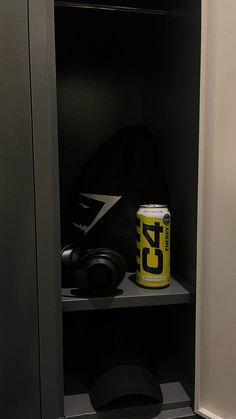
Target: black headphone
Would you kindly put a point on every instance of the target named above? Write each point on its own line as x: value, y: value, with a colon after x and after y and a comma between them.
x: 95, y: 271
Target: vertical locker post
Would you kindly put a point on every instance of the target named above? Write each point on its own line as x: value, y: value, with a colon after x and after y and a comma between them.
x: 45, y: 143
x: 19, y: 350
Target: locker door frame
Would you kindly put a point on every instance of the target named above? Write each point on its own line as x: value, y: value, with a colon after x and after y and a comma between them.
x: 19, y: 350
x: 47, y: 207
x: 216, y: 266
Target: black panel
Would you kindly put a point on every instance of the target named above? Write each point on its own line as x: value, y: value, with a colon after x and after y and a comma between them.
x: 43, y: 84
x: 19, y: 349
x: 101, y: 71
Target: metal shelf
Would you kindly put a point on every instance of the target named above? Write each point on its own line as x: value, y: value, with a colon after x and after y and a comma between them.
x: 128, y: 295
x: 185, y: 412
x: 176, y: 404
x: 110, y: 7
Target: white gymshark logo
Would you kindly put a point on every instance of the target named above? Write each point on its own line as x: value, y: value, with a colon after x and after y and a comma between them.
x: 108, y: 201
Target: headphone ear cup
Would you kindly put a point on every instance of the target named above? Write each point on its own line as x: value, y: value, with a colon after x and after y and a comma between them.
x: 96, y: 271
x: 70, y: 255
x: 119, y: 262
x: 99, y: 271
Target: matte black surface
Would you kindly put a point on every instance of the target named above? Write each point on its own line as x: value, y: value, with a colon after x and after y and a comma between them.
x: 174, y: 395
x: 20, y: 379
x: 128, y: 295
x: 19, y: 348
x: 146, y: 73
x: 182, y: 413
x: 142, y: 335
x: 171, y: 110
x: 176, y: 403
x: 99, y: 84
x: 43, y: 84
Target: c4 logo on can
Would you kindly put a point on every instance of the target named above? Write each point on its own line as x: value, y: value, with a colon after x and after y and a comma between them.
x: 152, y: 257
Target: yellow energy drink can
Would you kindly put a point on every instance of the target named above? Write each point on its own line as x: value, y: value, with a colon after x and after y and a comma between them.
x: 153, y: 246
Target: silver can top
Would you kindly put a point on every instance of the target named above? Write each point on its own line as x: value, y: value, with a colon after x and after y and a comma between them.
x: 153, y: 206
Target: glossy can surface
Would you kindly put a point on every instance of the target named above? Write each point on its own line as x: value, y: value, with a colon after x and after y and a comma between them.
x: 153, y: 246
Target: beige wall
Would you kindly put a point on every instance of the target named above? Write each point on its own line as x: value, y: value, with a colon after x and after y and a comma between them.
x: 216, y: 293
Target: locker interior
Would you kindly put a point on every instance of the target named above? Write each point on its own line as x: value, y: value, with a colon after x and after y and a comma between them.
x: 117, y: 68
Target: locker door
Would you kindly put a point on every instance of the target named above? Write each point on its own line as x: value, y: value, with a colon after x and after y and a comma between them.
x: 20, y: 393
x: 216, y: 260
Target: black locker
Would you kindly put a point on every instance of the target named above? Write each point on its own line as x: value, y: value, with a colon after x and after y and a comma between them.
x: 144, y: 81
x: 119, y: 67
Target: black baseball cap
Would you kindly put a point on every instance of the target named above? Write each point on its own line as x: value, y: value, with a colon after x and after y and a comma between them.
x: 123, y: 381
x: 123, y: 365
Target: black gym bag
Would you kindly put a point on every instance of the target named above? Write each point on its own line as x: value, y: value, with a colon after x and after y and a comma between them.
x: 121, y: 175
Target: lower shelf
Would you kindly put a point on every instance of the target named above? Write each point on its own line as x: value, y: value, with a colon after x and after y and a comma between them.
x: 129, y: 295
x: 174, y: 395
x: 176, y: 389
